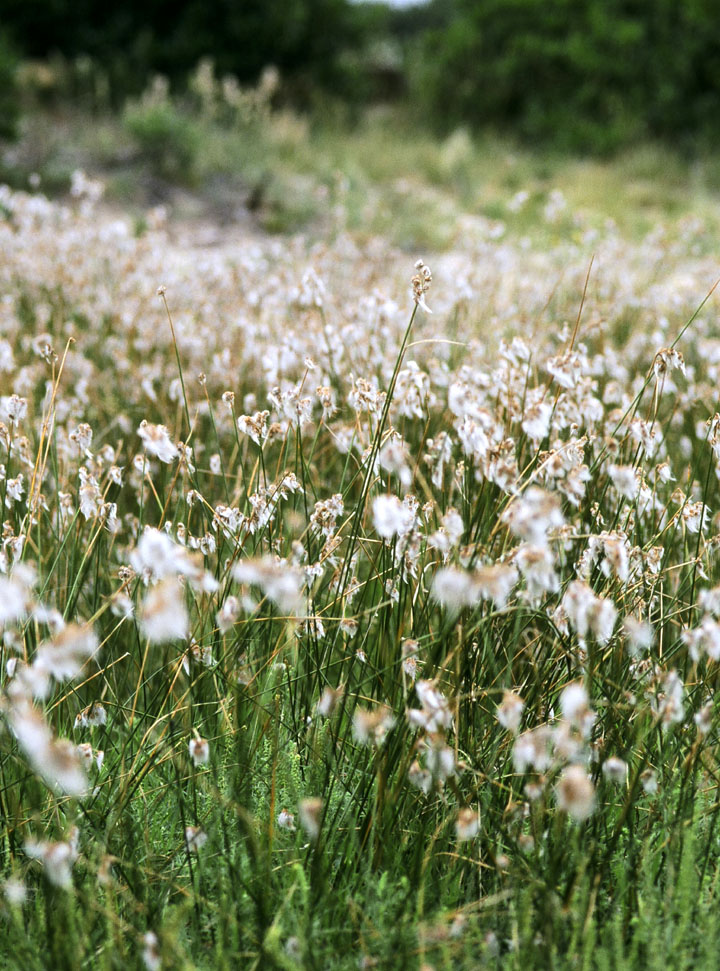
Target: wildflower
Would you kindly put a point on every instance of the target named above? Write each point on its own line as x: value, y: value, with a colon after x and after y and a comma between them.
x: 695, y: 516
x: 90, y: 757
x: 625, y: 479
x: 15, y: 891
x: 13, y: 409
x: 467, y: 824
x: 419, y: 777
x: 14, y: 490
x: 533, y: 515
x: 704, y: 639
x: 653, y: 559
x: 668, y: 359
x: 326, y: 397
x: 156, y: 440
x: 664, y: 473
x: 495, y: 582
x: 65, y: 656
x: 617, y: 559
x: 510, y: 711
x: 199, y: 750
x: 535, y: 789
x: 567, y: 369
x: 280, y: 581
x: 410, y: 660
x: 574, y: 705
x: 703, y: 718
x: 197, y: 654
x: 532, y: 750
x: 94, y: 715
x: 60, y: 764
x: 286, y: 820
x: 453, y: 588
x: 195, y: 838
x: 709, y: 600
x: 14, y: 597
x: 364, y: 396
x: 151, y: 954
x: 293, y: 949
x: 164, y: 616
x: 391, y: 517
x: 537, y: 565
x: 575, y: 793
x: 648, y: 780
x: 638, y: 634
x: 85, y: 752
x: 311, y: 811
x: 536, y: 420
x: 158, y: 557
x: 567, y: 742
x: 122, y: 606
x: 56, y: 760
x: 668, y: 704
x: 588, y: 613
x: 325, y: 515
x: 435, y: 713
x: 81, y: 437
x: 439, y: 758
x: 371, y: 727
x: 57, y: 859
x: 526, y: 842
x: 614, y: 769
x: 421, y: 280
x: 450, y: 533
x: 329, y: 701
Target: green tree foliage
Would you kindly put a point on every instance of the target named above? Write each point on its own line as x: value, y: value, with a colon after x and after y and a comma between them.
x: 303, y: 38
x: 9, y: 108
x: 578, y: 73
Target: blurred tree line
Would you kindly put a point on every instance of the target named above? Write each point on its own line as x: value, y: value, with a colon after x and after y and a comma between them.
x: 135, y: 38
x: 579, y: 74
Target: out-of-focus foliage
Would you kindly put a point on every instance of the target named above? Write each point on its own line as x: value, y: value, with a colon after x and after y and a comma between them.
x: 9, y: 108
x: 576, y: 74
x: 303, y: 38
x: 579, y: 73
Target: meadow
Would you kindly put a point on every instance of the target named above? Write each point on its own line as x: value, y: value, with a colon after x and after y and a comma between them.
x: 360, y: 607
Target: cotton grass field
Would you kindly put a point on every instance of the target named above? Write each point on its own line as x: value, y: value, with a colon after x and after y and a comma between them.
x: 357, y: 611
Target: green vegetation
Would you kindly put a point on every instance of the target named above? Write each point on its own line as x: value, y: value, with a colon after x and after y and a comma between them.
x: 303, y: 38
x: 336, y: 634
x: 587, y: 75
x: 236, y: 155
x: 339, y: 631
x: 9, y: 99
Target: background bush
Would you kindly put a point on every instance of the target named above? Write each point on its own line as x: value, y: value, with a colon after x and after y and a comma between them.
x: 9, y: 105
x: 303, y: 38
x: 578, y: 73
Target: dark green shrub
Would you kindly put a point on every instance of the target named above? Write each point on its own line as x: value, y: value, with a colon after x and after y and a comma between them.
x: 168, y: 139
x: 577, y: 73
x: 303, y: 38
x: 9, y: 94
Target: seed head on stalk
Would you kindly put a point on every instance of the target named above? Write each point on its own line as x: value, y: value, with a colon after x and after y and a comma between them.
x: 421, y: 280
